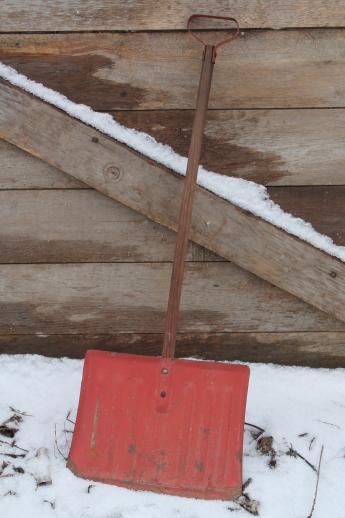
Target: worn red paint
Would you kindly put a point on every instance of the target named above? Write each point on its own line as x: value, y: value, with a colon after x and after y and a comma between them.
x: 187, y: 443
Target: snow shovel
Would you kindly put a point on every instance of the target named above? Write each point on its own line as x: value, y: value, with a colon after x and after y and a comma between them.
x: 158, y: 423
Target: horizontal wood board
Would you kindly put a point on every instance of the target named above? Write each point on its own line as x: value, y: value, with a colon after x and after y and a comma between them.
x: 314, y: 349
x: 132, y: 298
x: 62, y: 226
x: 82, y: 225
x: 160, y: 70
x: 122, y: 15
x: 19, y: 170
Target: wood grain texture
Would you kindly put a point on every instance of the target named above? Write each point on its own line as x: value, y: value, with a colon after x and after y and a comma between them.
x: 273, y: 147
x: 81, y: 15
x: 132, y: 298
x: 313, y: 349
x: 18, y: 170
x: 323, y: 207
x: 75, y: 225
x: 62, y: 226
x: 138, y: 183
x: 155, y: 70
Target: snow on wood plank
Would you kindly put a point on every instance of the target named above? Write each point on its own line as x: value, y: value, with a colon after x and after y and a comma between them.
x: 272, y: 147
x: 48, y: 15
x: 243, y: 193
x: 266, y: 146
x: 231, y: 232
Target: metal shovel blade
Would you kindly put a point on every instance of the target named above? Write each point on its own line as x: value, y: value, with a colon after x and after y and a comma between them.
x: 169, y: 426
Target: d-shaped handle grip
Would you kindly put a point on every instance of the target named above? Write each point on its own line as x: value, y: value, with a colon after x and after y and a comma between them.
x: 222, y: 42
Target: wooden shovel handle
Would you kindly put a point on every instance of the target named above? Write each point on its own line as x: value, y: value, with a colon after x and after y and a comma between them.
x: 187, y: 204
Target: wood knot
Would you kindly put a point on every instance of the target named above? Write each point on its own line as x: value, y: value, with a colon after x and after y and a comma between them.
x: 112, y: 172
x: 333, y: 274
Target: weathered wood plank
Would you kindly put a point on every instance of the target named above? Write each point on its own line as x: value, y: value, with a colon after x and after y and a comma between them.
x: 325, y: 349
x: 118, y: 172
x: 153, y: 70
x: 81, y: 15
x: 61, y: 226
x: 18, y: 170
x: 132, y: 298
x: 323, y: 207
x: 273, y: 147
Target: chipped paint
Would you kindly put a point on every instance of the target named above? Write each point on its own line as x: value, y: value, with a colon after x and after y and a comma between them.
x: 94, y: 425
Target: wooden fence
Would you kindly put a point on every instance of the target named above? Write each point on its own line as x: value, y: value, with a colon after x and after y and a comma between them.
x: 79, y: 270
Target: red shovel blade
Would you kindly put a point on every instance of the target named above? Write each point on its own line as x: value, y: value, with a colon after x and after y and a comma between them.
x: 170, y: 426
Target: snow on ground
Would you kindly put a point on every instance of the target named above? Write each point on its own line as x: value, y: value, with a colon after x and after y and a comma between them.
x: 243, y: 193
x: 301, y: 408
